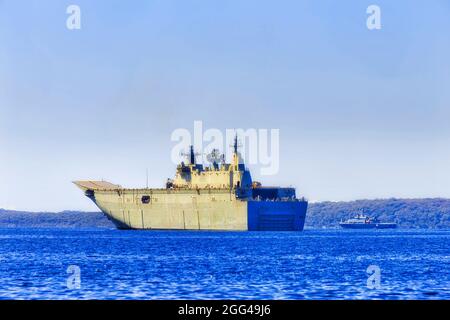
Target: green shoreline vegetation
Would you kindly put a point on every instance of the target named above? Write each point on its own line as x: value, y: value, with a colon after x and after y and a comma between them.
x: 433, y: 213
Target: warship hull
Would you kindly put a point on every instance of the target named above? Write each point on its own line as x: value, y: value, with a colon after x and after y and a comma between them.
x: 221, y: 196
x: 190, y: 209
x: 368, y: 225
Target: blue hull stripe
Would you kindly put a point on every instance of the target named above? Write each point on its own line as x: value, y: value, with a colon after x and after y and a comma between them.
x: 276, y: 215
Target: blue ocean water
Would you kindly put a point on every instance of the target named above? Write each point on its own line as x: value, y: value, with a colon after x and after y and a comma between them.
x: 312, y: 264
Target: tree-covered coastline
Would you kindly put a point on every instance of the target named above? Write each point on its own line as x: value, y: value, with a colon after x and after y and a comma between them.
x: 433, y: 213
x: 407, y: 213
x: 64, y: 219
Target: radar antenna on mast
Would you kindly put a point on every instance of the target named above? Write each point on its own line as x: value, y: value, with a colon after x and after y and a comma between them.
x: 236, y: 155
x: 215, y: 157
x: 236, y: 144
x: 190, y: 155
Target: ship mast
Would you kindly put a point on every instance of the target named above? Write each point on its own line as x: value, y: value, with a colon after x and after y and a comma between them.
x: 191, y: 155
x: 235, y: 153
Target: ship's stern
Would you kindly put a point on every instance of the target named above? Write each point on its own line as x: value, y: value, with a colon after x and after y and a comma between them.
x: 277, y: 215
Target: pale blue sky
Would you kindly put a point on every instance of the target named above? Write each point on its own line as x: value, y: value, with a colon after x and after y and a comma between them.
x: 362, y: 114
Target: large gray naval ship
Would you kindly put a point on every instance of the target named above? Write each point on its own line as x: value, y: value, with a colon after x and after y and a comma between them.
x: 217, y: 197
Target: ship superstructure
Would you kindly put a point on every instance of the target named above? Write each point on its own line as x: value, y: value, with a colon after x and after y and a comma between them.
x: 221, y: 196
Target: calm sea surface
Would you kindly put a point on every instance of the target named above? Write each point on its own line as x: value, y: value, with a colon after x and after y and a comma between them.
x: 113, y: 264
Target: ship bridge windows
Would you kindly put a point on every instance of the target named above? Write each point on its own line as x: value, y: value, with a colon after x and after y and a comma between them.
x: 145, y: 199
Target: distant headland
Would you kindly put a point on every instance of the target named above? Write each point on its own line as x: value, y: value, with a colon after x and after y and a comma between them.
x: 433, y: 213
